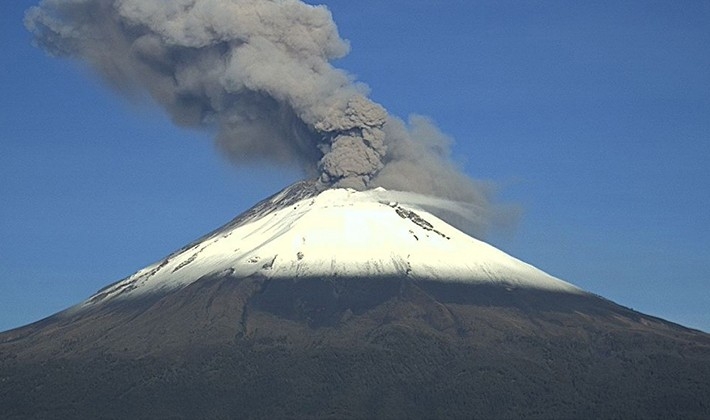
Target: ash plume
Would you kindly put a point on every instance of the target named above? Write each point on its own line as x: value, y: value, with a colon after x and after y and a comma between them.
x: 259, y: 71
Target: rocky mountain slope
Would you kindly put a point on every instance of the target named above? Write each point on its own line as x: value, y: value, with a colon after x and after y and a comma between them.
x: 344, y: 304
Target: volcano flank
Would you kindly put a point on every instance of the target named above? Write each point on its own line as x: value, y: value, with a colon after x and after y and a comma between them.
x: 339, y: 303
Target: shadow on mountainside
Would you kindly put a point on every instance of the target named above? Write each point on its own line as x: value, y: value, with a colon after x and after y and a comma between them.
x: 355, y: 348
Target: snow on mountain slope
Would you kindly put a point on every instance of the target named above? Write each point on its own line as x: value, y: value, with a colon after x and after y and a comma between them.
x: 305, y: 233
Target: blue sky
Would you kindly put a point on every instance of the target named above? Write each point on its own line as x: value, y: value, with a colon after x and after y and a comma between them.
x: 592, y: 117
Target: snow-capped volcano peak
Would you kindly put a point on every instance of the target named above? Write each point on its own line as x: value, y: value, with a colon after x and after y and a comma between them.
x: 306, y: 232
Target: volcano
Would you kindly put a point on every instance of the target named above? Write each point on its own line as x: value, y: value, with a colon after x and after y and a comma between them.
x: 337, y: 303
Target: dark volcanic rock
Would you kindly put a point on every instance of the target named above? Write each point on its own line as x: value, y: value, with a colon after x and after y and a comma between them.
x: 224, y: 347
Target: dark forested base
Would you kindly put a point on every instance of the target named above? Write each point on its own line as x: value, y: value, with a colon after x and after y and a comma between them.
x: 250, y: 348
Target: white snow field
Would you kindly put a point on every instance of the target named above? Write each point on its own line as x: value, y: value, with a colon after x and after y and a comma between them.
x: 336, y: 233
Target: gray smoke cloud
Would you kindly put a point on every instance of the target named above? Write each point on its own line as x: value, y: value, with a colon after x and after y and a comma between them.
x: 259, y: 71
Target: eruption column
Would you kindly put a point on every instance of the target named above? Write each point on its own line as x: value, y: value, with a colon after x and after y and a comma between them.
x: 259, y: 71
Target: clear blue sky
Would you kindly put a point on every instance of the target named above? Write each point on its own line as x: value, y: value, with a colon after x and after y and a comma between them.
x: 593, y: 117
